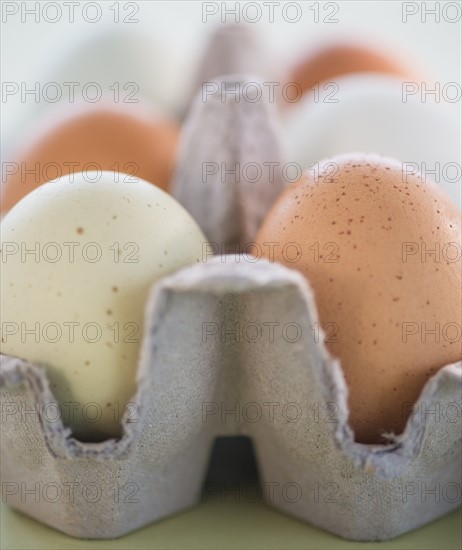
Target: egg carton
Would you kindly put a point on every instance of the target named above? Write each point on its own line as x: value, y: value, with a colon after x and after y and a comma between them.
x: 193, y: 369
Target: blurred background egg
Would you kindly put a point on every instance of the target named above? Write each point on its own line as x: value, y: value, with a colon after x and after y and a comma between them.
x: 128, y: 139
x: 122, y: 65
x: 334, y: 59
x: 367, y: 113
x: 374, y: 281
x: 119, y: 57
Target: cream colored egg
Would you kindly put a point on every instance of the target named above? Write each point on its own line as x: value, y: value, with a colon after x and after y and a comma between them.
x: 78, y: 260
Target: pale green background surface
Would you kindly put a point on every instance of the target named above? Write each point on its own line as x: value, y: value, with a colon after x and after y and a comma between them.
x: 225, y: 525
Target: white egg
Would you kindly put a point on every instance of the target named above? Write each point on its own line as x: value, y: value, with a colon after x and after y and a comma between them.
x: 367, y: 113
x: 78, y: 260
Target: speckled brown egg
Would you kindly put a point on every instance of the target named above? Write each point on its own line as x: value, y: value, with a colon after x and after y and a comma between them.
x: 328, y: 62
x: 126, y: 139
x: 366, y: 236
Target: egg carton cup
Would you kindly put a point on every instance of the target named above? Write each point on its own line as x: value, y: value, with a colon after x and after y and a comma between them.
x: 199, y: 359
x: 315, y: 469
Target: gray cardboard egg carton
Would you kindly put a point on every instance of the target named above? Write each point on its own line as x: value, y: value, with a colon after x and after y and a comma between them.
x: 192, y: 368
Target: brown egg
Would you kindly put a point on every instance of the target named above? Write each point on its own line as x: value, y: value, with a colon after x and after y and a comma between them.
x: 127, y: 140
x: 334, y: 60
x: 366, y: 238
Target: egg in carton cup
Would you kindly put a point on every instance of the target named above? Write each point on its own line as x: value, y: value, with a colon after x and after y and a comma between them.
x: 293, y: 390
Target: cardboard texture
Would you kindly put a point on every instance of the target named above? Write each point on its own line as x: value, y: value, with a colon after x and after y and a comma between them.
x: 229, y: 169
x: 209, y: 348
